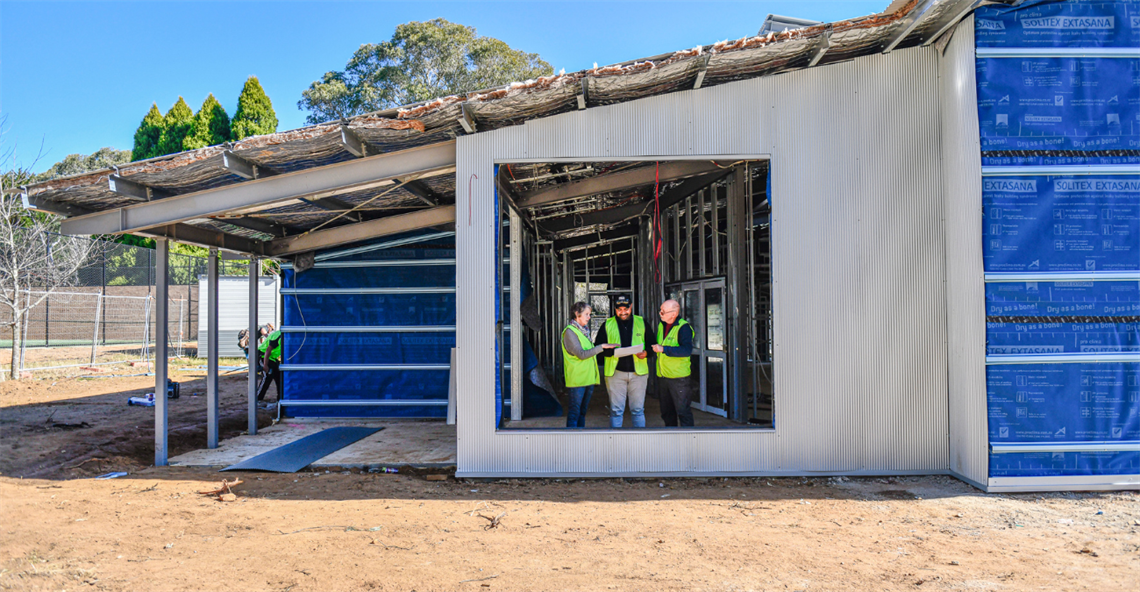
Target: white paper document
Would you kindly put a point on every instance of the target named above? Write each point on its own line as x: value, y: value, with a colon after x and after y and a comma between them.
x: 622, y: 352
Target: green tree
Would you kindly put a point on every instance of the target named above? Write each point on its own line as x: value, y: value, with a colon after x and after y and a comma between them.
x: 149, y: 135
x: 422, y: 61
x: 211, y: 126
x: 74, y: 164
x: 179, y: 121
x: 254, y: 115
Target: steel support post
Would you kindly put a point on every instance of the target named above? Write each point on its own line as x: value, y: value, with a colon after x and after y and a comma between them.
x: 212, y: 350
x: 254, y: 268
x: 516, y: 317
x: 161, y: 328
x: 738, y: 217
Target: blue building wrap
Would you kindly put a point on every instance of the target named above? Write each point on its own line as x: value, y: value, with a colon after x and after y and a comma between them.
x: 357, y: 346
x: 1061, y: 223
x: 1076, y: 236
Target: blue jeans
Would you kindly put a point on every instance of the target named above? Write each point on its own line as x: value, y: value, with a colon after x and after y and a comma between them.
x: 629, y: 386
x: 579, y: 402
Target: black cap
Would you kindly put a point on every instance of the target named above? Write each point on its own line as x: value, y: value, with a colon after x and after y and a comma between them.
x: 621, y: 301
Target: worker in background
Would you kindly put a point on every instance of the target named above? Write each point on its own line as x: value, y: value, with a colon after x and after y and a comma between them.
x: 674, y: 346
x: 579, y: 366
x: 627, y: 376
x: 270, y: 353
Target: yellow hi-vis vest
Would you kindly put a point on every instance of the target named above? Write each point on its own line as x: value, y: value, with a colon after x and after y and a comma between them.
x: 668, y: 366
x: 578, y: 372
x: 640, y: 366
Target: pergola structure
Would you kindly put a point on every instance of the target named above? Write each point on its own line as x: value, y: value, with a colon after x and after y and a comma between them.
x: 291, y: 193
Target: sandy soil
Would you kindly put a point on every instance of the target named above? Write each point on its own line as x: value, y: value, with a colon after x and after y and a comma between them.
x: 348, y: 530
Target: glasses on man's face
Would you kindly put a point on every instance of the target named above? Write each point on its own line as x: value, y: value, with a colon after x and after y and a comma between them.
x: 664, y: 312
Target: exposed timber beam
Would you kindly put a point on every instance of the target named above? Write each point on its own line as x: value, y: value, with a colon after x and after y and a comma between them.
x: 821, y: 47
x: 909, y: 24
x: 646, y: 175
x: 623, y: 213
x: 134, y: 189
x: 702, y: 68
x: 957, y: 14
x: 312, y: 183
x: 351, y: 233
x: 466, y: 119
x: 244, y: 168
x: 352, y: 142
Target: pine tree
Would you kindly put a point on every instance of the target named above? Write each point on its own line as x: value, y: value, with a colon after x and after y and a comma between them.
x: 211, y: 126
x: 179, y: 121
x: 254, y: 114
x: 148, y: 135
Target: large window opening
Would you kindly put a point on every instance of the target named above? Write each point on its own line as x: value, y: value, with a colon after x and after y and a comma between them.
x: 637, y: 236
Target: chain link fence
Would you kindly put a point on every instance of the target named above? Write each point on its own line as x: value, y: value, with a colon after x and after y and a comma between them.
x: 107, y: 315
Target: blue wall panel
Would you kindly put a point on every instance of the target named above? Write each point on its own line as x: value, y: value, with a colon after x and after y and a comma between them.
x: 1040, y: 403
x: 1048, y: 464
x: 1061, y: 223
x: 1088, y: 23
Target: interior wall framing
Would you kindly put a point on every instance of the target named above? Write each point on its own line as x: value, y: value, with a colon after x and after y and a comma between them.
x: 860, y: 324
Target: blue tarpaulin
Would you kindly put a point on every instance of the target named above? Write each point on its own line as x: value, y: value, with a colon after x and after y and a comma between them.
x: 360, y: 347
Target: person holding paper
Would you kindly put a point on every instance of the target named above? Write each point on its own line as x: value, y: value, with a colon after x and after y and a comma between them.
x: 579, y: 365
x: 626, y: 375
x: 674, y: 346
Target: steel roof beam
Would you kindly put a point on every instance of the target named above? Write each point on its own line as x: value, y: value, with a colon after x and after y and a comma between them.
x: 702, y: 68
x: 243, y: 168
x: 910, y: 23
x: 646, y: 175
x: 352, y: 142
x: 319, y: 182
x: 134, y: 189
x: 422, y: 191
x: 625, y: 231
x: 466, y: 119
x: 966, y: 6
x: 350, y: 233
x: 263, y: 226
x: 821, y: 48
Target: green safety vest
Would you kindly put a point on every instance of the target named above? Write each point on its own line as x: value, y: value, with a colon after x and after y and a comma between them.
x: 668, y: 366
x: 640, y: 366
x: 578, y: 372
x: 275, y: 339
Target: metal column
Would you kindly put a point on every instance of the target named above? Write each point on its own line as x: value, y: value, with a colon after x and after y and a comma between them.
x: 739, y: 219
x: 212, y: 350
x: 161, y: 294
x: 254, y: 267
x: 516, y: 317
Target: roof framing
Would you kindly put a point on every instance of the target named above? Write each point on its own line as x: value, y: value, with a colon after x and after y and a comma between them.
x: 318, y: 182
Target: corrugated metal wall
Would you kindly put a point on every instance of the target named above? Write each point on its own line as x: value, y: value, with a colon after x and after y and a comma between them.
x: 233, y: 311
x: 860, y: 329
x: 965, y: 294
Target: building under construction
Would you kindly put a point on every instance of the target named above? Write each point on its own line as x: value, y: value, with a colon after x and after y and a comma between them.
x: 909, y: 244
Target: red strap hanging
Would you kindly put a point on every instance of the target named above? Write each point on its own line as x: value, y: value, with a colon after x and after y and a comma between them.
x: 657, y: 224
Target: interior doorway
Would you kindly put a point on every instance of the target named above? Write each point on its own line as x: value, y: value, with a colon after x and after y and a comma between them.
x: 694, y: 231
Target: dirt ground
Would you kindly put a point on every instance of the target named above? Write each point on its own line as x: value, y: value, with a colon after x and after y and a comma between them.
x: 353, y: 530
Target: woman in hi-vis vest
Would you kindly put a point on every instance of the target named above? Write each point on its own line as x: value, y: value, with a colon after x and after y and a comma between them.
x: 579, y: 367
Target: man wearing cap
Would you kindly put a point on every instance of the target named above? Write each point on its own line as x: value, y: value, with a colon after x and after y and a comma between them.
x: 626, y: 377
x: 675, y: 339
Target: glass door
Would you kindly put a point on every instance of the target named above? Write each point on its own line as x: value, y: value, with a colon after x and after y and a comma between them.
x: 702, y: 305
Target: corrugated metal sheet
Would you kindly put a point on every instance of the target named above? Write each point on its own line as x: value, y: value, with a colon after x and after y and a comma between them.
x: 965, y: 286
x: 233, y: 311
x: 858, y: 257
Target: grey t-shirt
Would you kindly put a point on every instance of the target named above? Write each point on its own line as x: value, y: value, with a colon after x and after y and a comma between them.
x: 572, y: 345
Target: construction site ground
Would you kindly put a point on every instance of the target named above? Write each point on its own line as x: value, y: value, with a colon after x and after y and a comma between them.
x: 421, y: 529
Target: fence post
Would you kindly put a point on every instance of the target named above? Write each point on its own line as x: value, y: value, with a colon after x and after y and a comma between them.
x: 95, y: 334
x: 181, y: 305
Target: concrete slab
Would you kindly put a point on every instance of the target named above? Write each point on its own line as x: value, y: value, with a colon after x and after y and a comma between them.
x: 422, y: 443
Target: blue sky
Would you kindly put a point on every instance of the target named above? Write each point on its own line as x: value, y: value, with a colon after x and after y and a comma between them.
x: 77, y: 76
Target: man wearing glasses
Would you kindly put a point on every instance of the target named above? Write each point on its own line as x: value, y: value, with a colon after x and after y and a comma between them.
x: 674, y: 346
